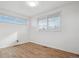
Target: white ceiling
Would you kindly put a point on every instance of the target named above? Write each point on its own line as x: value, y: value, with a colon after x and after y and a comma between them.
x: 20, y: 7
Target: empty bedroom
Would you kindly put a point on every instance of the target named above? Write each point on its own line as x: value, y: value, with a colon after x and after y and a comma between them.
x: 39, y: 29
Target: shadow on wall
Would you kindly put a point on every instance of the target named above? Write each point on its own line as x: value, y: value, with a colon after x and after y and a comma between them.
x: 9, y: 41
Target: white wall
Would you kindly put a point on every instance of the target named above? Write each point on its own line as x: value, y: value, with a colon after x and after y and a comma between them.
x: 68, y: 38
x: 11, y: 32
x: 23, y: 34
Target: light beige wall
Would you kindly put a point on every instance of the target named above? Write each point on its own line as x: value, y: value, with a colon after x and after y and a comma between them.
x: 68, y: 38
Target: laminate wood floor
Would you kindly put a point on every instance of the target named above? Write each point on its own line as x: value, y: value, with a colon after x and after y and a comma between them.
x: 32, y: 50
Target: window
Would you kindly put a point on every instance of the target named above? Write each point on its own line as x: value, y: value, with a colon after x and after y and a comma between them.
x: 54, y: 23
x: 42, y: 24
x: 12, y: 20
x: 49, y: 23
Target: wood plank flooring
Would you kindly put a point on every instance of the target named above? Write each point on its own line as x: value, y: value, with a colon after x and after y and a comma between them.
x: 32, y: 50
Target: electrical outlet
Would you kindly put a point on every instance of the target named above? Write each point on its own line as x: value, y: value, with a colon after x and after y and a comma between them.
x: 17, y: 40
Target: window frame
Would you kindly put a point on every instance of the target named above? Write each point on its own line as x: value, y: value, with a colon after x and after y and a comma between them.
x: 47, y: 17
